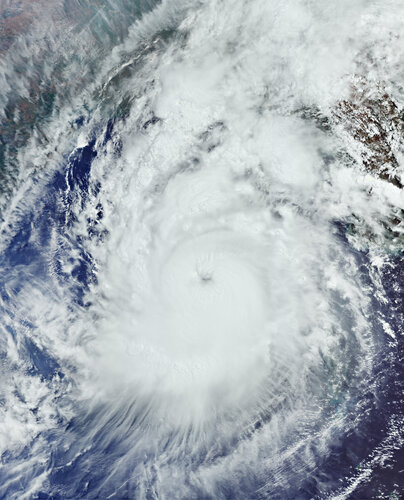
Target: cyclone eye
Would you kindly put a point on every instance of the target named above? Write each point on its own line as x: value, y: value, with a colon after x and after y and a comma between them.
x: 205, y: 276
x: 201, y: 249
x: 204, y: 270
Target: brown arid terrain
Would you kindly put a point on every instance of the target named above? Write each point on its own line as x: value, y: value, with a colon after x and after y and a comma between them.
x: 369, y: 117
x: 374, y: 121
x: 16, y: 17
x: 19, y: 16
x: 23, y: 25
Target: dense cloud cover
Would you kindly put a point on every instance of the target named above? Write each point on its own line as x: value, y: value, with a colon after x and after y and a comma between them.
x: 201, y: 243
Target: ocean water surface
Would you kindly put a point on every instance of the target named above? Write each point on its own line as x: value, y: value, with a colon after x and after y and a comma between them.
x: 201, y: 249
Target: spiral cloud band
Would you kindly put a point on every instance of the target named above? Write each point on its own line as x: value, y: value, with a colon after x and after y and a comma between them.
x: 200, y: 261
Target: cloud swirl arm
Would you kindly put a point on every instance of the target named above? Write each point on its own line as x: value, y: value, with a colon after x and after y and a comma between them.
x: 201, y: 251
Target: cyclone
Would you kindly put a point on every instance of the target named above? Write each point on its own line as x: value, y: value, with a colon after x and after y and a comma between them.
x: 201, y: 250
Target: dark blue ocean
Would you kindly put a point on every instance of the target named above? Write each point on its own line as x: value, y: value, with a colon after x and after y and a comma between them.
x: 201, y: 278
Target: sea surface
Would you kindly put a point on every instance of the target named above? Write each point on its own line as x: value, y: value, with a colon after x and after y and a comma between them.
x: 201, y: 249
